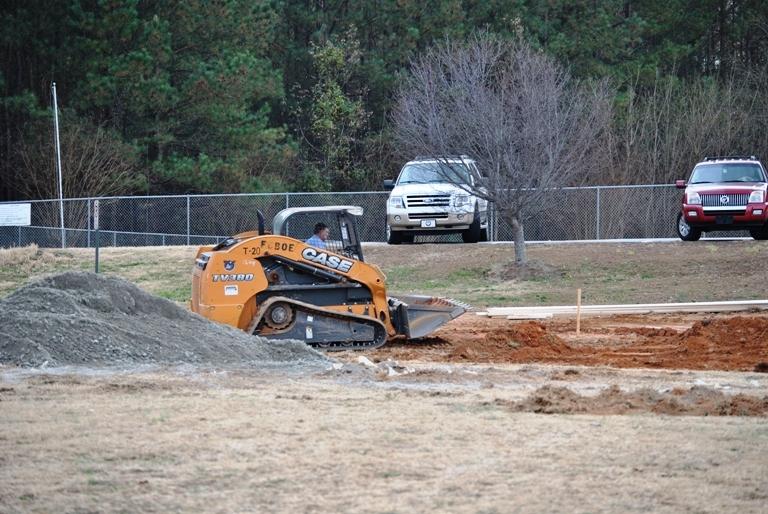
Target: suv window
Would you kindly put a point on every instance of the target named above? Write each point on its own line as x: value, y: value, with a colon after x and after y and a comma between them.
x: 434, y: 172
x: 727, y: 172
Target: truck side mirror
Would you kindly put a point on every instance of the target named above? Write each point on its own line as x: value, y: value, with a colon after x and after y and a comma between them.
x: 389, y: 184
x: 680, y: 184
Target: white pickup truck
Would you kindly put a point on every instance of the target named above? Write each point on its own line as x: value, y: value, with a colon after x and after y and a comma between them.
x: 435, y: 196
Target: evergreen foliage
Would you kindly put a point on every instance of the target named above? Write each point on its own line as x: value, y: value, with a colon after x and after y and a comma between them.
x: 193, y: 96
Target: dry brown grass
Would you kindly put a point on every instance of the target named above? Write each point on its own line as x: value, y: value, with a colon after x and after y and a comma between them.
x: 18, y: 256
x: 164, y: 271
x: 260, y: 442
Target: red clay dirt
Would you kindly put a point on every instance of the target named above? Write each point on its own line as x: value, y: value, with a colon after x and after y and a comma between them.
x: 697, y: 401
x: 691, y: 341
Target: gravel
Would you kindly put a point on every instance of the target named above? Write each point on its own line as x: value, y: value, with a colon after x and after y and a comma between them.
x: 81, y: 318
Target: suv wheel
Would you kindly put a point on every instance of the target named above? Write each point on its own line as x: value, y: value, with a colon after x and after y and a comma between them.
x: 685, y: 231
x: 393, y: 238
x: 473, y: 233
x: 759, y: 234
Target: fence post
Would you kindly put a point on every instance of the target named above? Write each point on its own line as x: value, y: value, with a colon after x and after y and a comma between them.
x: 19, y: 235
x: 114, y: 239
x: 597, y: 222
x: 89, y: 223
x: 187, y: 222
x: 495, y: 223
x: 287, y: 200
x: 491, y: 221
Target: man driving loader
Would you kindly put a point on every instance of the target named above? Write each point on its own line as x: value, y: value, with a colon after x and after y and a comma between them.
x: 320, y: 236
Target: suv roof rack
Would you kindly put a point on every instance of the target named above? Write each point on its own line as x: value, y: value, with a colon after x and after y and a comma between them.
x: 427, y: 157
x: 733, y: 157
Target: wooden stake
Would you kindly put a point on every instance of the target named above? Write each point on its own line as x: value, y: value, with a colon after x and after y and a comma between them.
x: 578, y: 311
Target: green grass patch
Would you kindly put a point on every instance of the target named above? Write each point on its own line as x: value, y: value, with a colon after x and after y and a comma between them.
x: 402, y: 278
x: 180, y: 293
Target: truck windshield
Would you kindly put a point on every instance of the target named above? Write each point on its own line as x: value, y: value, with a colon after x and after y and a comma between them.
x: 730, y: 172
x: 431, y: 172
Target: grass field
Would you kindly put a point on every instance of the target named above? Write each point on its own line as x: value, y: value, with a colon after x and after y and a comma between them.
x: 440, y: 437
x: 482, y: 275
x: 264, y: 442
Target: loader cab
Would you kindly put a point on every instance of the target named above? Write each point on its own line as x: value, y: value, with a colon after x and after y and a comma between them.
x: 298, y: 223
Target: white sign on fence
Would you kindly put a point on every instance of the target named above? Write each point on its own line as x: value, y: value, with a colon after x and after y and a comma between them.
x: 15, y: 215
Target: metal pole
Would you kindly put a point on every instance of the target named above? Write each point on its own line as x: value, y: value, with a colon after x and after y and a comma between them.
x: 96, y: 225
x: 287, y: 223
x: 89, y: 223
x: 597, y: 223
x: 493, y: 229
x: 58, y: 162
x: 19, y: 235
x: 187, y: 223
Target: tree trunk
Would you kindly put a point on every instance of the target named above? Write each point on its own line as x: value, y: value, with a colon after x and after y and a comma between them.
x: 521, y: 259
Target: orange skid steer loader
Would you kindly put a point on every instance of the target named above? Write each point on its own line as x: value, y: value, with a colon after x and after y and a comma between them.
x: 279, y: 287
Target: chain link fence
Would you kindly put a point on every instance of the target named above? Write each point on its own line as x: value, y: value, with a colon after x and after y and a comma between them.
x: 586, y: 213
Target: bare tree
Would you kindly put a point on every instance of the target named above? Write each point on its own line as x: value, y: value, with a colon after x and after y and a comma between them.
x: 529, y: 126
x: 94, y: 162
x: 657, y: 135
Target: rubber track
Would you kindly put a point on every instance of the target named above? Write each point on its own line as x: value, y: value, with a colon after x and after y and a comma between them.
x: 379, y: 330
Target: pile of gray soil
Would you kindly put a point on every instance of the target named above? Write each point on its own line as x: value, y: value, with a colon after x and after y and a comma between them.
x: 79, y: 318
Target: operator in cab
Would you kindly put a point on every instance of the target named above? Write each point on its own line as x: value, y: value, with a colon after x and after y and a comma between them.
x: 320, y: 236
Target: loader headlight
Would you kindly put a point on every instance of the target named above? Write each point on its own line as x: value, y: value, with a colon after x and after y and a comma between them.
x: 757, y: 197
x: 461, y: 200
x: 694, y: 199
x: 397, y: 202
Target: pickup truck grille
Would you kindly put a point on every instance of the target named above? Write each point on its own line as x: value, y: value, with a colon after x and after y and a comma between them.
x: 428, y: 200
x: 734, y: 200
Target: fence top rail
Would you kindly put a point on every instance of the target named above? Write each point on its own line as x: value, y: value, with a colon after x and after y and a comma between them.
x: 127, y: 233
x: 297, y: 193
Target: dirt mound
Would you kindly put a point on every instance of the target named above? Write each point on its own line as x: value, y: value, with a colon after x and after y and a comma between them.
x: 729, y: 343
x: 697, y: 401
x: 740, y: 342
x: 77, y: 318
x: 517, y: 342
x: 482, y: 340
x: 744, y: 330
x: 732, y: 343
x: 533, y: 270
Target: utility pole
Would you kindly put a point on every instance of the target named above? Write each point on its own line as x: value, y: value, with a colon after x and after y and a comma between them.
x: 58, y: 165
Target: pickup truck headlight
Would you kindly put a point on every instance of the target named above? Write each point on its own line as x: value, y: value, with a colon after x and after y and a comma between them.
x: 694, y: 199
x: 461, y: 200
x: 396, y: 201
x: 757, y: 197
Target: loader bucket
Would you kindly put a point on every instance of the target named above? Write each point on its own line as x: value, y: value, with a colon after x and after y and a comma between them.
x: 419, y: 315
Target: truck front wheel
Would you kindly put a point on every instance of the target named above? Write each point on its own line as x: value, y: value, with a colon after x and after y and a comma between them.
x: 685, y: 231
x: 393, y: 238
x: 759, y: 234
x: 472, y: 234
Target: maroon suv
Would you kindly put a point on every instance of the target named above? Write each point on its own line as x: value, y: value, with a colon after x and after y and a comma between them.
x: 724, y: 193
